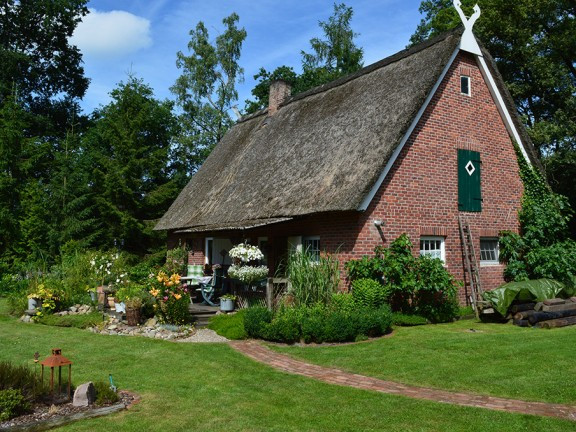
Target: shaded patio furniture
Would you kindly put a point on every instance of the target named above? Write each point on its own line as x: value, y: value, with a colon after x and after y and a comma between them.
x: 193, y: 275
x: 210, y: 288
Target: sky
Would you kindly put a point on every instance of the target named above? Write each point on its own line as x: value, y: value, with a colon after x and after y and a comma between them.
x: 142, y: 37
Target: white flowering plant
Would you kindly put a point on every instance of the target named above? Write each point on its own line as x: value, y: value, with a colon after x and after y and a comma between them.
x: 248, y: 274
x: 101, y: 265
x: 246, y: 253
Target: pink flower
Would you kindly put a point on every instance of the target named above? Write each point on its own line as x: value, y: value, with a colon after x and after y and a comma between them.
x: 165, y: 298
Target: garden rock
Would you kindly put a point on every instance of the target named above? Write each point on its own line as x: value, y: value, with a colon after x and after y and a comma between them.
x: 151, y: 322
x: 84, y: 395
x: 116, y: 327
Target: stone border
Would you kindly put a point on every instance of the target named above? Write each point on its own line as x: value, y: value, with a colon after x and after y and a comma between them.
x: 42, y: 425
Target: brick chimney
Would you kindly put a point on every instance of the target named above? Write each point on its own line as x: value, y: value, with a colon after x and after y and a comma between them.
x: 279, y: 92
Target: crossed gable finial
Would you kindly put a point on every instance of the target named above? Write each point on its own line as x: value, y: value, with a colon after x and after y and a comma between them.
x: 468, y: 41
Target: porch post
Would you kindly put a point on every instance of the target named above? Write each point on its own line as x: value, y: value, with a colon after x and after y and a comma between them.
x: 269, y: 292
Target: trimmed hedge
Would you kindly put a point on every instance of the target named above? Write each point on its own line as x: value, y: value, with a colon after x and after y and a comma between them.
x: 317, y: 323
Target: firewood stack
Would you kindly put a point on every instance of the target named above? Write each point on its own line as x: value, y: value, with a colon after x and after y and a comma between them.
x: 546, y: 314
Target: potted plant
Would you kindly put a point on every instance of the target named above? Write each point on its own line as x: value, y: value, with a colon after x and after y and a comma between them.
x: 132, y: 297
x: 244, y: 268
x: 227, y: 302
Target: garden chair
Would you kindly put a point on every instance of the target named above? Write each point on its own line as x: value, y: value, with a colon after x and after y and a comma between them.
x: 209, y: 289
x: 194, y: 273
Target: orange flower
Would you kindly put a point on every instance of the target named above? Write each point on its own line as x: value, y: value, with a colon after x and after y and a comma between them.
x: 177, y: 296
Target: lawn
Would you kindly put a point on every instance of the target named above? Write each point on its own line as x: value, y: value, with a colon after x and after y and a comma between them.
x: 210, y: 387
x: 494, y: 359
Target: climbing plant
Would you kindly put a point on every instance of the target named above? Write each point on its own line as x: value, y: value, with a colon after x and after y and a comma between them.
x: 544, y: 248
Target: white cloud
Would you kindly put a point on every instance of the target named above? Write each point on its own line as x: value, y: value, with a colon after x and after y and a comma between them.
x: 111, y: 34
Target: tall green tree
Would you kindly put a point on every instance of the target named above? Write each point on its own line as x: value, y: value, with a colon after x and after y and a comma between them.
x: 534, y: 46
x: 206, y: 90
x: 41, y: 81
x: 333, y: 56
x: 336, y: 54
x: 39, y: 64
x: 133, y: 177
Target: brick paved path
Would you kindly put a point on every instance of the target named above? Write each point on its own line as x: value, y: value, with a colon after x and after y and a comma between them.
x: 288, y: 364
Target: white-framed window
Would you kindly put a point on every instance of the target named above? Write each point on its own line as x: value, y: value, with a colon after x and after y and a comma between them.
x: 489, y: 250
x: 433, y: 247
x: 311, y: 244
x: 465, y: 88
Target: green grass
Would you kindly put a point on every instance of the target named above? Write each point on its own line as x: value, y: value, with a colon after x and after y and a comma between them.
x: 494, y: 359
x: 211, y: 387
x: 231, y: 326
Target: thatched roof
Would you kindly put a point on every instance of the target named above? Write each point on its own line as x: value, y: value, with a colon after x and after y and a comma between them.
x: 322, y: 151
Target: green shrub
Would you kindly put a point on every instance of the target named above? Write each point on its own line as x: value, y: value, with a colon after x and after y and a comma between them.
x: 230, y: 326
x: 12, y: 404
x: 256, y: 319
x: 312, y: 281
x: 76, y: 321
x: 343, y: 301
x: 285, y: 327
x: 12, y: 283
x: 436, y: 295
x: 369, y: 293
x: 23, y: 379
x: 104, y: 394
x: 322, y: 323
x: 401, y: 319
x: 17, y: 303
x: 413, y: 285
x: 366, y: 267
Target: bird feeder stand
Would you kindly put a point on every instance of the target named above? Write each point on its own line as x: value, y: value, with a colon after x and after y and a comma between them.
x: 57, y: 360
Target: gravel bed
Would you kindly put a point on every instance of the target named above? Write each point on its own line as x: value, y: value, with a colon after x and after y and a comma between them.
x: 203, y: 335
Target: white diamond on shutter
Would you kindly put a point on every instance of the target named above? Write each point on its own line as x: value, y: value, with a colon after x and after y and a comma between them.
x: 470, y: 168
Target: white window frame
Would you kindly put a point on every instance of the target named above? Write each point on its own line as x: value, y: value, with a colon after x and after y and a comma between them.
x: 489, y: 262
x: 467, y: 77
x: 306, y: 241
x: 434, y: 252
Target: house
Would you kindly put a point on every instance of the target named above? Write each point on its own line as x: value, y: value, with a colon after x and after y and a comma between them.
x: 405, y: 145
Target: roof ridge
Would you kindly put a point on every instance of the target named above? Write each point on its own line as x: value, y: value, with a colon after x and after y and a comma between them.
x: 400, y: 55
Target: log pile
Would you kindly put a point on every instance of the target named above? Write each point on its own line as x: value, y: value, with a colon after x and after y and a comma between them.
x: 546, y: 314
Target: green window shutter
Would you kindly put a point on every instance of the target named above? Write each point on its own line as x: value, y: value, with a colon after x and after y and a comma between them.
x: 469, y: 189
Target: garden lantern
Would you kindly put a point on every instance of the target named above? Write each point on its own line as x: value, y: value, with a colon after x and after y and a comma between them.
x: 57, y: 360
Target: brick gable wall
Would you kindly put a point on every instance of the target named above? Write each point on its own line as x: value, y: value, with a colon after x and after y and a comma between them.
x: 420, y: 193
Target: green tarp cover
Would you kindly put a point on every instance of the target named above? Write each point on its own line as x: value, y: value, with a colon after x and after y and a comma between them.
x: 532, y: 290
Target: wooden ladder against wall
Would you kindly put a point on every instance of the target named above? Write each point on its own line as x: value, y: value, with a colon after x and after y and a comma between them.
x: 471, y: 276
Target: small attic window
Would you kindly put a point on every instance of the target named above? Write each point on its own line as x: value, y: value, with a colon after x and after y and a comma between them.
x: 465, y: 85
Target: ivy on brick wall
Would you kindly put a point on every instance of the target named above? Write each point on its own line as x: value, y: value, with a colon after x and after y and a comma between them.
x: 544, y: 248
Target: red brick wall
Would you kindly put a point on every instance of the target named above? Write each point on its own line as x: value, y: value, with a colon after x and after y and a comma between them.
x: 420, y: 193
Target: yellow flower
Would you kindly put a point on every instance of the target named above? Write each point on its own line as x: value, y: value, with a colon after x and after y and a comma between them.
x: 169, y: 283
x: 177, y: 296
x: 154, y: 292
